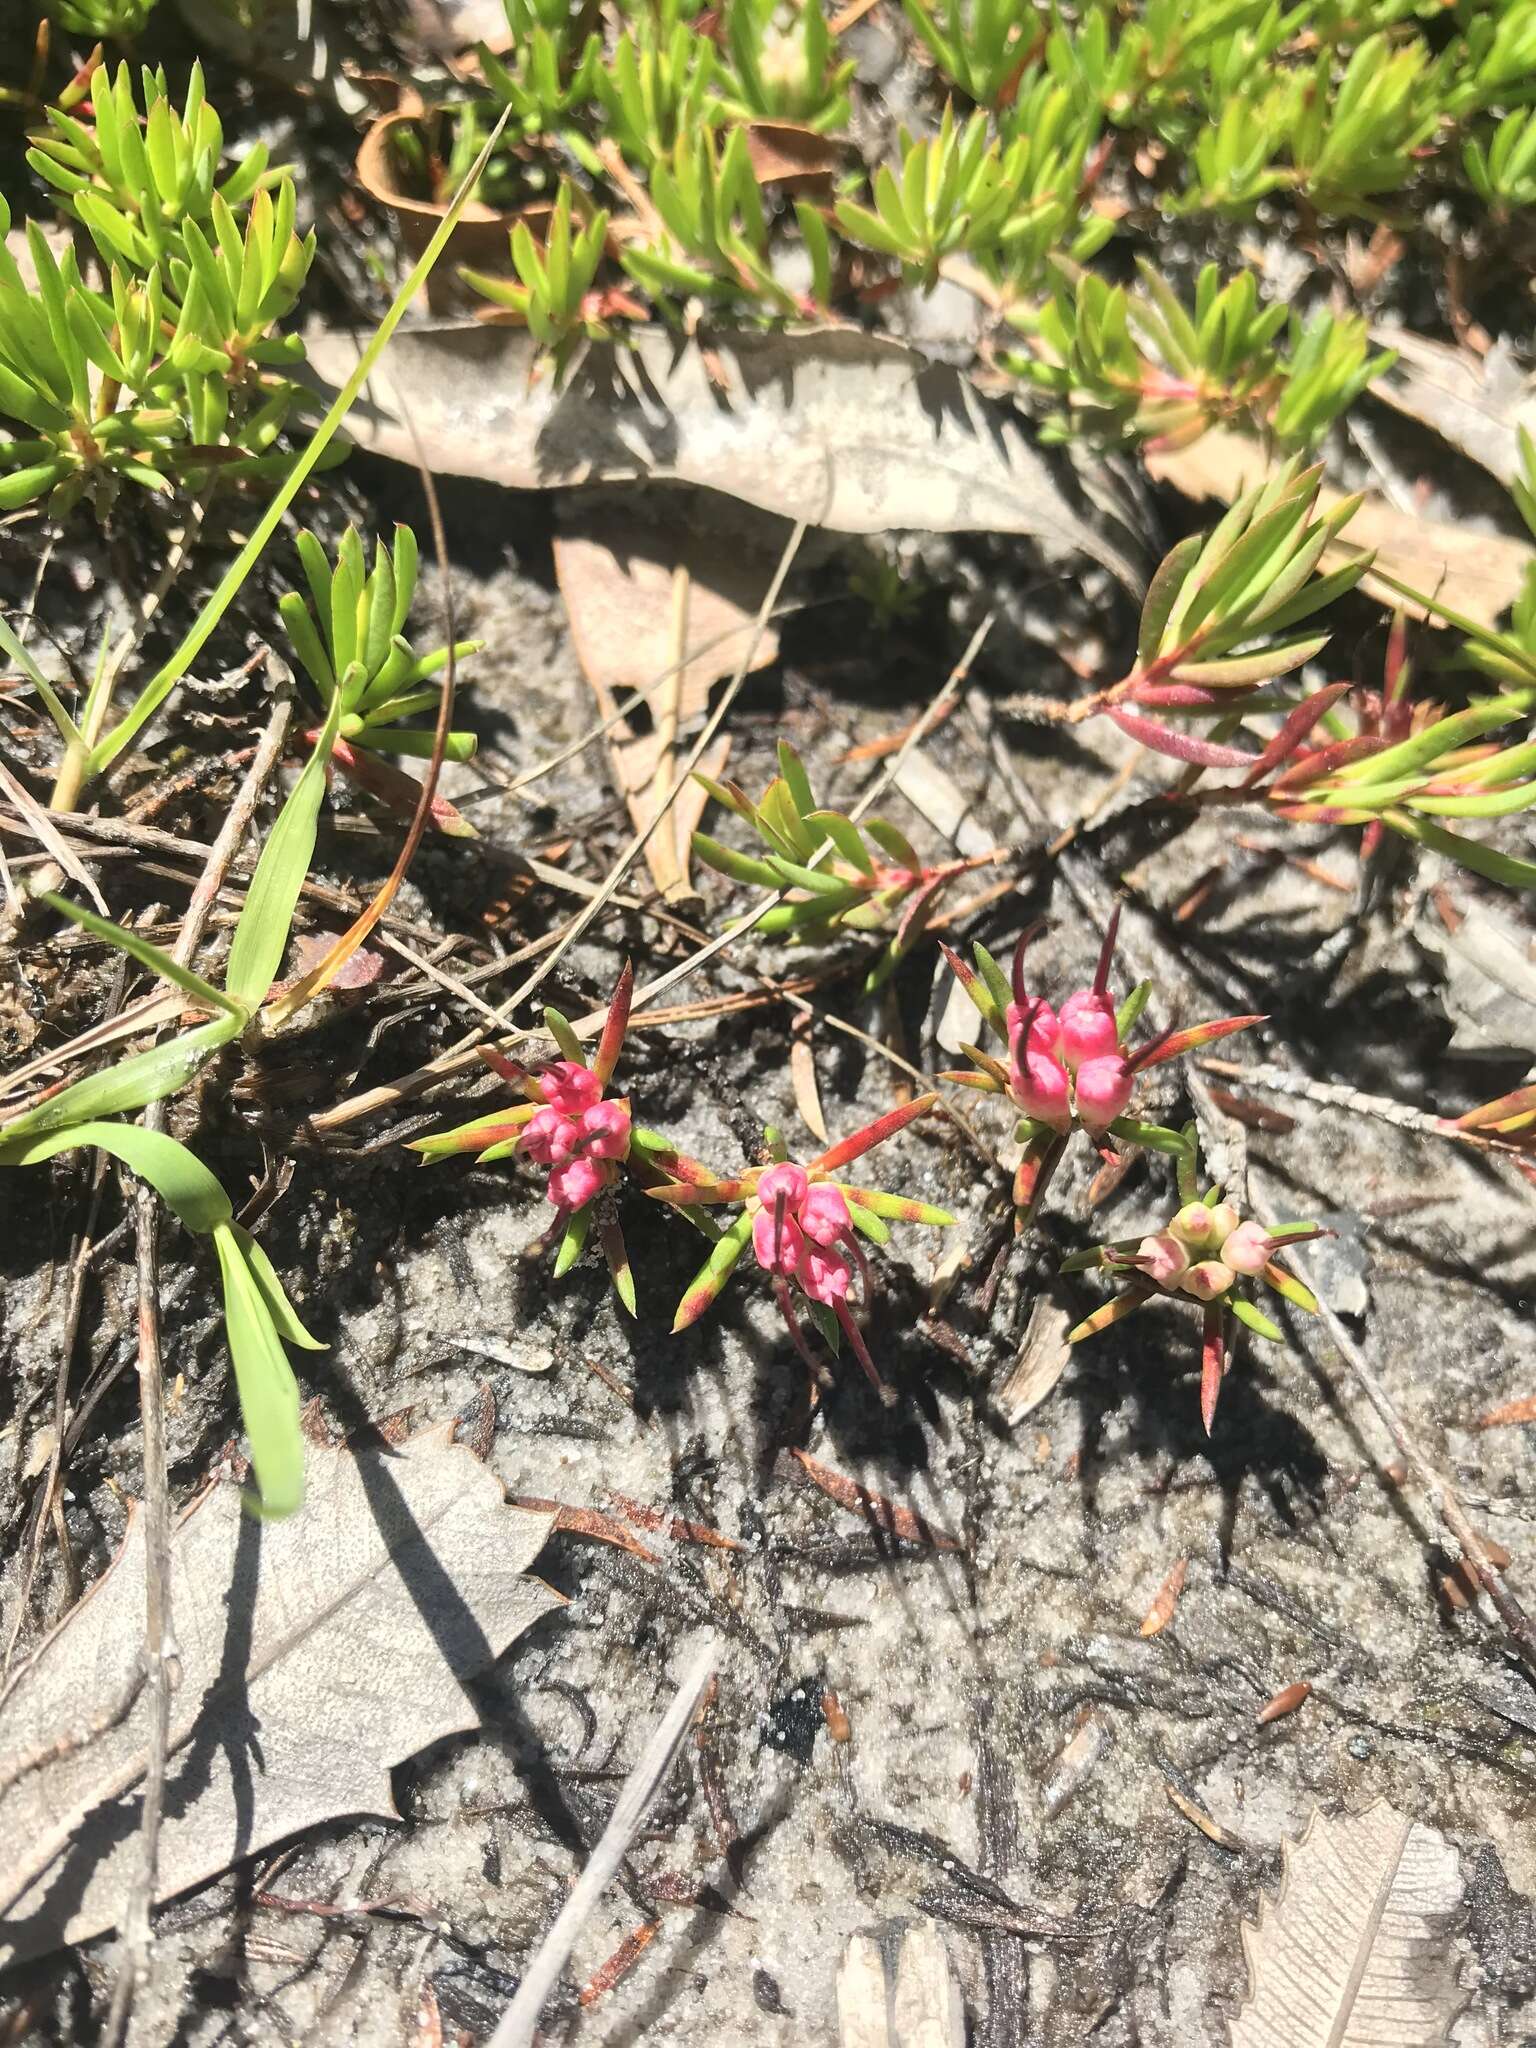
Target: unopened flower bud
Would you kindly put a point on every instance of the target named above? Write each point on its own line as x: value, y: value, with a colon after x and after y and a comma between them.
x: 1163, y: 1259
x: 1246, y: 1249
x: 550, y: 1138
x: 1224, y: 1220
x: 1042, y: 1090
x: 824, y: 1214
x: 1088, y: 1027
x: 570, y: 1088
x: 1207, y: 1279
x: 605, y: 1130
x: 1195, y: 1225
x: 1103, y: 1088
x: 1035, y: 1024
x: 573, y: 1185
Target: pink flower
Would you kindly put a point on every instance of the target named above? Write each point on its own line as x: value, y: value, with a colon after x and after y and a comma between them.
x: 1206, y: 1280
x: 550, y: 1138
x: 1246, y: 1249
x: 573, y: 1185
x: 787, y: 1180
x: 825, y: 1275
x: 824, y: 1214
x: 777, y: 1239
x: 1042, y: 1090
x: 605, y: 1130
x: 1038, y: 1020
x: 1163, y: 1259
x: 1088, y: 1027
x: 570, y: 1088
x: 1103, y: 1088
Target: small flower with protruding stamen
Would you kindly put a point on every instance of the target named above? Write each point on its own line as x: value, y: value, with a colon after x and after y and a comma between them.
x: 1068, y: 1069
x: 1205, y: 1252
x: 804, y: 1228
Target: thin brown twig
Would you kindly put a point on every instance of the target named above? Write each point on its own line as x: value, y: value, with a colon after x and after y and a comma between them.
x: 1437, y: 1488
x: 462, y: 1055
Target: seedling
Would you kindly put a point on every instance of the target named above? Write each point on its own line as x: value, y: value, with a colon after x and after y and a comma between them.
x: 1141, y: 367
x: 99, y: 18
x: 1207, y: 1253
x: 804, y: 1225
x: 350, y: 639
x: 854, y: 890
x: 553, y: 296
x: 1071, y: 1069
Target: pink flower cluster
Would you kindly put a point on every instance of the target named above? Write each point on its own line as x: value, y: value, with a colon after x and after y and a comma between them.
x: 796, y: 1232
x: 1067, y: 1066
x: 575, y: 1134
x: 1203, y: 1251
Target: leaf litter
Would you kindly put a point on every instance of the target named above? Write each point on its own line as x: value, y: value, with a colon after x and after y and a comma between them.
x: 315, y: 1654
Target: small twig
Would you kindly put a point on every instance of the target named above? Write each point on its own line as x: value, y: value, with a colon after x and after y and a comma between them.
x: 1330, y: 1095
x: 1437, y: 1488
x: 521, y: 2018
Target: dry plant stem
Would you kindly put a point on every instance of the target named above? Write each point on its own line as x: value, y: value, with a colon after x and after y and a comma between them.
x: 462, y: 1056
x: 520, y: 2020
x: 1437, y: 1488
x: 159, y: 1642
x: 1331, y: 1095
x: 159, y: 1639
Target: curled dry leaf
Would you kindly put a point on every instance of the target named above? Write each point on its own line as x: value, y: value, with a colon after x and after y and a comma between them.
x: 1356, y: 1949
x: 316, y: 1654
x: 843, y: 429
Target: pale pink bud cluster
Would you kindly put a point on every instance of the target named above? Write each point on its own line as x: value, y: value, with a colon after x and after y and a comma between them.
x: 1068, y: 1064
x: 797, y: 1230
x: 575, y: 1134
x: 1203, y: 1251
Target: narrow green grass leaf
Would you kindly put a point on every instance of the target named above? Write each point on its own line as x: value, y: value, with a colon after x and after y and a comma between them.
x: 152, y: 957
x: 261, y: 936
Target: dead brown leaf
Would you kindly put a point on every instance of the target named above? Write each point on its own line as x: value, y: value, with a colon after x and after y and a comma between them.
x: 633, y: 620
x: 1523, y: 1410
x: 1160, y: 1613
x: 316, y: 1654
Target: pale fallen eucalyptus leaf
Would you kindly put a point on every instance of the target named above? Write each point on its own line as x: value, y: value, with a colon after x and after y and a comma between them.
x: 315, y: 1655
x: 846, y: 430
x: 1477, y: 404
x: 1356, y: 1950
